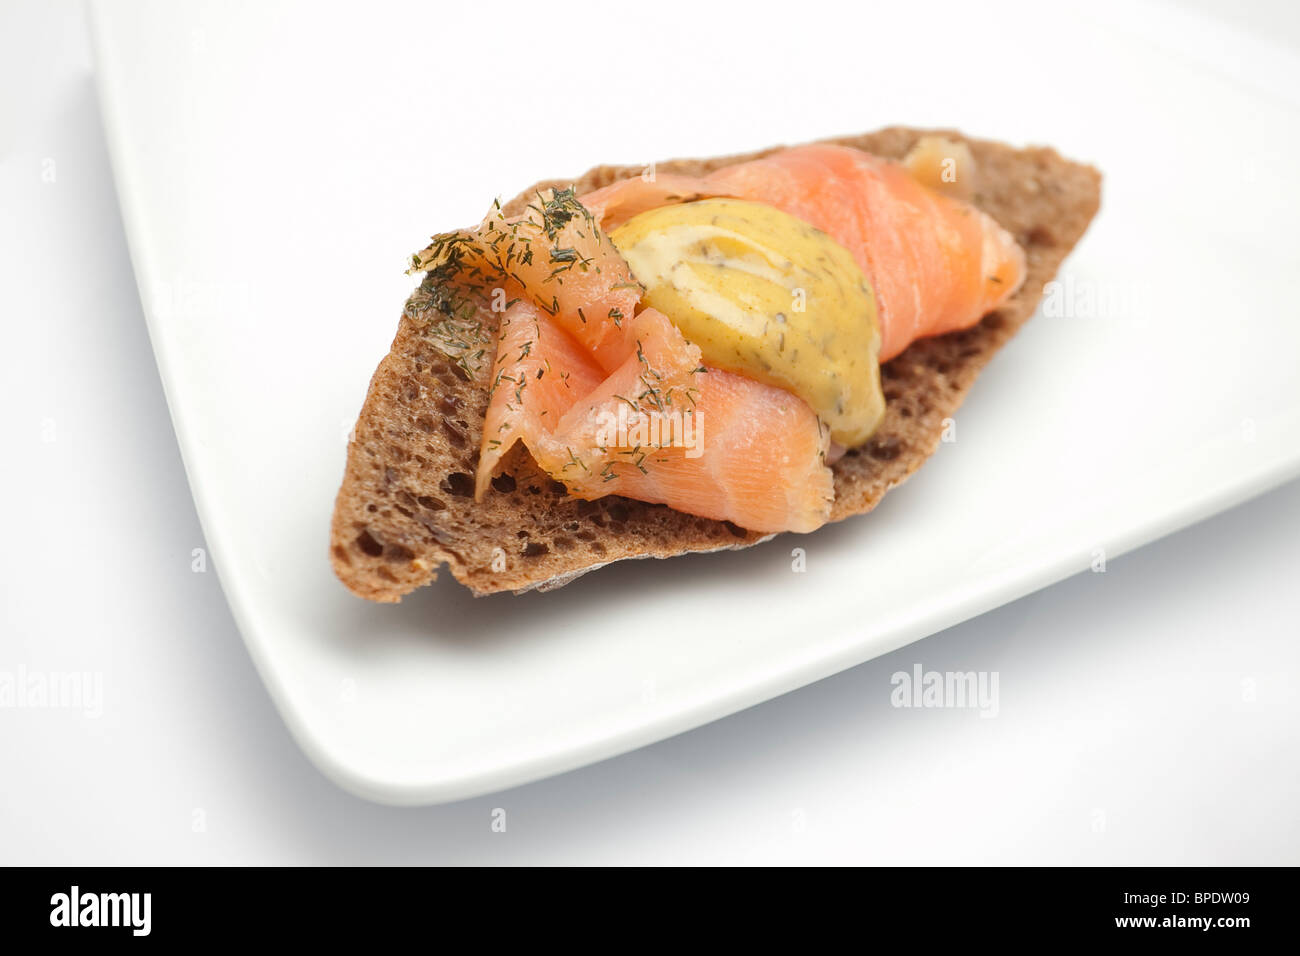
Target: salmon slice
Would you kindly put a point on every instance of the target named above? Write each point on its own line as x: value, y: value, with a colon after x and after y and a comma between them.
x: 657, y: 428
x: 936, y: 263
x: 763, y: 464
x: 612, y: 400
x: 620, y: 201
x: 524, y: 395
x: 557, y: 258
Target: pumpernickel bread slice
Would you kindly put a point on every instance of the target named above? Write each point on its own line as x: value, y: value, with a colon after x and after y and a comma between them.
x: 407, y: 504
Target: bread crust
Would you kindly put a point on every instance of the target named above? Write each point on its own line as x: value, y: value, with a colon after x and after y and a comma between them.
x: 406, y: 505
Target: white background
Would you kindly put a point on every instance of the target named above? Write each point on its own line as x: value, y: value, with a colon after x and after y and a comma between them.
x: 1147, y: 714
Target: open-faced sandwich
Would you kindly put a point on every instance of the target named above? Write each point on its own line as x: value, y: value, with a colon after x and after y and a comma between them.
x: 697, y: 355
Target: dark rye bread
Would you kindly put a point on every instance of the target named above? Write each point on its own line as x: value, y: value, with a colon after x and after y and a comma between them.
x: 406, y: 506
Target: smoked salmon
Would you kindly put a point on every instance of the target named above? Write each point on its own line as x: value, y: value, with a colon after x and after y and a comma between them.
x: 936, y: 263
x: 610, y: 397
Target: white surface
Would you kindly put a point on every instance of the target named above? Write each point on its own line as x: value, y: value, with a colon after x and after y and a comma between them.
x: 268, y: 195
x: 1120, y: 693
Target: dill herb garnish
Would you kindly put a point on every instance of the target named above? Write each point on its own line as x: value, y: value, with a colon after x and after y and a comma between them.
x: 450, y: 320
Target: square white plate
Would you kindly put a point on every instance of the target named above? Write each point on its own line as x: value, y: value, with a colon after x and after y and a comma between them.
x: 276, y: 164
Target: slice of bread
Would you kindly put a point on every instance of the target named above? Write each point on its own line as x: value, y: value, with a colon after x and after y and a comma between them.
x: 406, y: 506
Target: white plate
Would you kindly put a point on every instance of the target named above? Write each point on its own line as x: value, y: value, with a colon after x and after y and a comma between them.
x: 275, y: 165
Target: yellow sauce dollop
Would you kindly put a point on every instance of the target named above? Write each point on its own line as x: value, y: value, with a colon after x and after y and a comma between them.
x: 768, y: 296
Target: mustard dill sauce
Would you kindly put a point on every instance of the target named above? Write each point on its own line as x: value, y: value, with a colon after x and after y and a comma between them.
x: 768, y: 296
